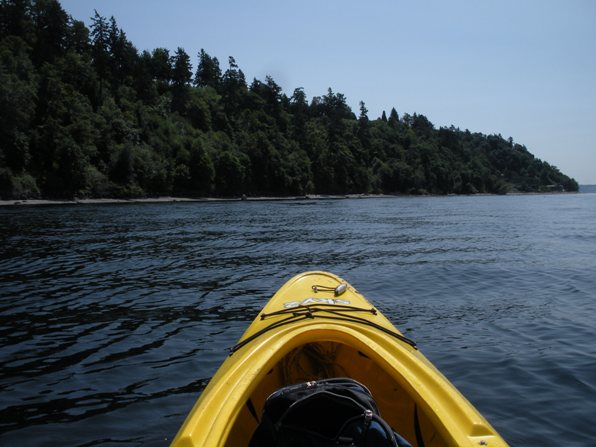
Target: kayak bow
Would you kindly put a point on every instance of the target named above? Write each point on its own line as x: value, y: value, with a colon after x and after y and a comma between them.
x: 318, y: 326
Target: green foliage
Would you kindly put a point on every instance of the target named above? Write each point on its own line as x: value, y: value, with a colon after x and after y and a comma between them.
x: 18, y: 86
x: 231, y: 173
x: 84, y: 114
x: 20, y: 186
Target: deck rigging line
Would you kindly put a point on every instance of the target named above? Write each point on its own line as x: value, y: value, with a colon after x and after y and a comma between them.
x: 336, y: 312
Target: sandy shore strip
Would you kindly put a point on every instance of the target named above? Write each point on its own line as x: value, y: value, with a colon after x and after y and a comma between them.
x: 40, y: 202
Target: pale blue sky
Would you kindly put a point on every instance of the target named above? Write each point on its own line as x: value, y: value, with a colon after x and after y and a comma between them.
x: 524, y: 69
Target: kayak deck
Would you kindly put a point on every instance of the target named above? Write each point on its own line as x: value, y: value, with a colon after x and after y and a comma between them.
x: 311, y: 330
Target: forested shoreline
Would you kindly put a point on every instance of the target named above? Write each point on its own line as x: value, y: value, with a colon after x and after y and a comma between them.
x: 86, y: 115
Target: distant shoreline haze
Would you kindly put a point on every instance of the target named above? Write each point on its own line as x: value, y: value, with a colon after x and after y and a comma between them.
x: 86, y: 115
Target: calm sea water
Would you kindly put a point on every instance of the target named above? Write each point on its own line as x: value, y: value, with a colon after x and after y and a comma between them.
x: 113, y: 318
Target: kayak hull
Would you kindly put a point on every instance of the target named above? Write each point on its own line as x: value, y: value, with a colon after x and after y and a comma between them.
x: 309, y: 330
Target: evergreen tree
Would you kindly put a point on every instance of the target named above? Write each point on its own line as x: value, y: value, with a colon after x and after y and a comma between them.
x: 233, y: 88
x: 78, y: 38
x: 16, y: 19
x: 181, y: 68
x: 51, y: 27
x: 143, y: 78
x: 364, y: 126
x: 161, y: 68
x: 208, y: 71
x: 99, y: 49
x: 181, y: 78
x: 123, y: 55
x: 393, y: 118
x: 300, y: 114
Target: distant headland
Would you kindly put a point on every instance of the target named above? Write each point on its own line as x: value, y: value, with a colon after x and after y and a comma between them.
x: 86, y: 115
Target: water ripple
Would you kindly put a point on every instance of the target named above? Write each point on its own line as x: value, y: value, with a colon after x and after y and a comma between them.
x: 112, y: 315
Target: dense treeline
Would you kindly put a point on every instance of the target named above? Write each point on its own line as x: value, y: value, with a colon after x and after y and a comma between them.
x: 85, y: 114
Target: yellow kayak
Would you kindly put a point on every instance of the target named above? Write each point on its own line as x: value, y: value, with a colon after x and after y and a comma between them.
x: 318, y: 326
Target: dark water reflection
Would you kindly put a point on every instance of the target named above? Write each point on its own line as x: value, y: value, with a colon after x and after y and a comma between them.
x: 113, y: 318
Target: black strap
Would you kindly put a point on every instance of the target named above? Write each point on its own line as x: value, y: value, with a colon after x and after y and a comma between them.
x: 252, y: 409
x: 417, y: 428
